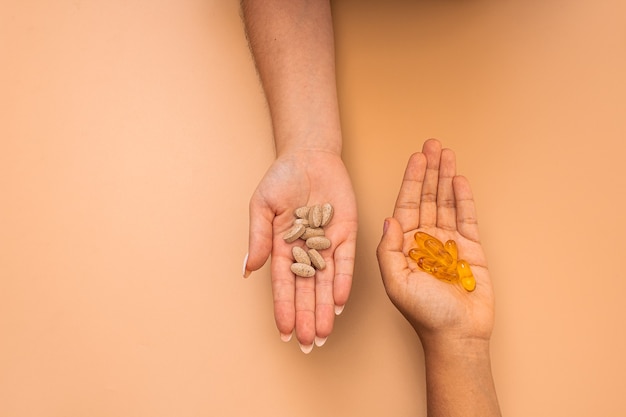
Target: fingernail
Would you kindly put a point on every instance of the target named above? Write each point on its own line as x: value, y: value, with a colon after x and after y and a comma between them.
x: 285, y: 337
x: 244, y: 270
x: 385, y: 226
x: 319, y: 341
x: 306, y: 348
x: 339, y: 309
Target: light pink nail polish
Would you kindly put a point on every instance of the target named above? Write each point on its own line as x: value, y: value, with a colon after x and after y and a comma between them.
x: 306, y: 348
x: 244, y: 270
x: 319, y: 341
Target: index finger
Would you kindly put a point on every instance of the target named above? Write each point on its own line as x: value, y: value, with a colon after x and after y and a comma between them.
x: 407, y: 208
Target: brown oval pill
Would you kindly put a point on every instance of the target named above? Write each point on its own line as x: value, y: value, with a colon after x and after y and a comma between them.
x: 316, y: 259
x: 301, y: 221
x: 302, y: 270
x: 327, y: 214
x: 300, y: 255
x: 315, y: 216
x: 302, y: 212
x: 311, y: 232
x: 294, y: 233
x: 318, y: 242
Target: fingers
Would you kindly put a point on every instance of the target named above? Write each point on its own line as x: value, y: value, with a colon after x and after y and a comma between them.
x: 324, y: 303
x: 446, y: 206
x: 428, y: 203
x: 284, y: 289
x: 315, y: 306
x: 303, y: 304
x: 344, y: 269
x: 466, y: 220
x: 407, y: 207
x: 332, y: 288
x: 426, y: 198
x: 305, y: 312
x: 259, y: 248
x: 307, y: 305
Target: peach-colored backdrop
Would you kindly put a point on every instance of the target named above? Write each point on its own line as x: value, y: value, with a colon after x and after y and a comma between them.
x: 132, y: 134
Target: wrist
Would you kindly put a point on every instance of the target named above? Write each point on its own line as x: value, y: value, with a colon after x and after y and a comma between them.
x: 455, y: 348
x: 307, y: 143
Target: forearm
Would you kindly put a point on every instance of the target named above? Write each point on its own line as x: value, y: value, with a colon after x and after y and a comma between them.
x: 293, y: 48
x: 459, y: 380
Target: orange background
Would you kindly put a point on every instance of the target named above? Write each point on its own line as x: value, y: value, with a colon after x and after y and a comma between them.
x: 133, y: 133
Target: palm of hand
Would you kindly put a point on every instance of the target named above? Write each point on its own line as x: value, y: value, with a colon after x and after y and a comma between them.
x: 433, y: 199
x: 446, y: 305
x: 295, y: 180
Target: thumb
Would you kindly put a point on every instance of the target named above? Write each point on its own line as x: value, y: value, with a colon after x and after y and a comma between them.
x: 391, y: 259
x: 260, y: 237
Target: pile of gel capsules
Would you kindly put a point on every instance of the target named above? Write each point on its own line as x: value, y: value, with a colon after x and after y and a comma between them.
x: 441, y: 260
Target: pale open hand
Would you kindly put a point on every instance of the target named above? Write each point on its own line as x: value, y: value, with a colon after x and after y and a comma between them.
x: 297, y: 179
x: 435, y: 200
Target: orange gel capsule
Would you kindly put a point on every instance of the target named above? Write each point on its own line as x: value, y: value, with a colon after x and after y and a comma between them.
x: 416, y: 254
x: 428, y: 264
x: 441, y: 260
x: 445, y: 274
x: 436, y: 249
x: 451, y: 248
x: 420, y: 237
x: 433, y: 244
x: 465, y: 275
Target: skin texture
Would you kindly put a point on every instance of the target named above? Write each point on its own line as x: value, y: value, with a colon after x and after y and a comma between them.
x: 453, y: 325
x: 292, y: 45
x: 293, y: 48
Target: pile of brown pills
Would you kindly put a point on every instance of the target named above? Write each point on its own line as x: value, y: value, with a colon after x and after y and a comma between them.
x: 309, y: 226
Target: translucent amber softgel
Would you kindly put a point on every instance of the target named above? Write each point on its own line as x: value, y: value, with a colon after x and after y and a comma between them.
x: 441, y: 260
